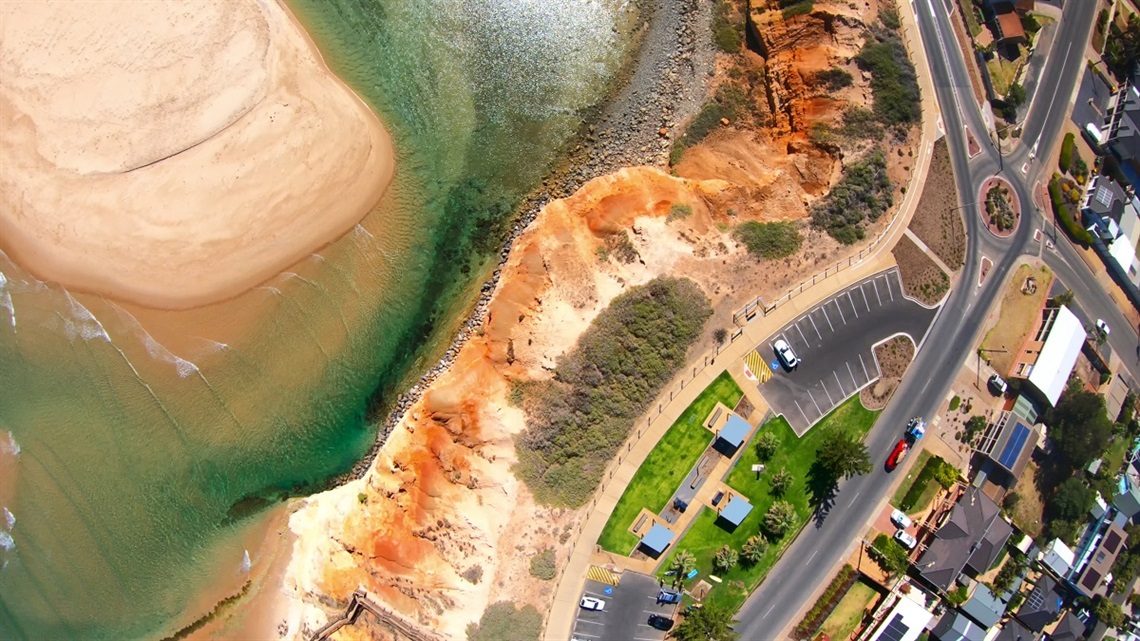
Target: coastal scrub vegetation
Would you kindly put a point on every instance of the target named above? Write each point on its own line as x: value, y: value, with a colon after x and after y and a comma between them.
x: 579, y: 418
x: 835, y: 78
x: 864, y: 193
x: 894, y: 82
x: 726, y: 28
x: 503, y: 622
x: 543, y: 565
x: 769, y: 240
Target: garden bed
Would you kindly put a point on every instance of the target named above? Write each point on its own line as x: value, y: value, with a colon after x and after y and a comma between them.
x: 922, y: 279
x: 893, y: 356
x: 1002, y: 209
x: 937, y: 218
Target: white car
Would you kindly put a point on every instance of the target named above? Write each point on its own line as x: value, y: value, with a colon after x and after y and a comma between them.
x: 590, y: 603
x: 907, y: 541
x: 1102, y: 327
x: 899, y: 518
x: 785, y: 354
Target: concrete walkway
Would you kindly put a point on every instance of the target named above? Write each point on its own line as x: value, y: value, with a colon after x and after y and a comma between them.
x: 706, y: 367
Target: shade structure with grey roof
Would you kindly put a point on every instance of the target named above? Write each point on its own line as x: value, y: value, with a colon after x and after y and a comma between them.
x: 657, y: 540
x: 1070, y: 628
x: 736, y: 510
x: 955, y: 626
x: 1014, y: 631
x: 732, y: 435
x: 972, y: 537
x: 984, y: 607
x: 1042, y: 605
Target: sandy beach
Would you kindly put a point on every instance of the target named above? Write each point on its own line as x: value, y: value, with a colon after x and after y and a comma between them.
x: 175, y: 155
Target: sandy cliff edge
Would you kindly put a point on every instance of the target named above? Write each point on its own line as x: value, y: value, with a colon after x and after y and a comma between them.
x: 175, y: 155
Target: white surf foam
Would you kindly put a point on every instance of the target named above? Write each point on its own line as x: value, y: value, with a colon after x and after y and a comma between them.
x: 246, y: 564
x: 9, y: 445
x: 6, y: 541
x: 6, y: 299
x: 154, y: 348
x: 83, y: 323
x: 9, y: 519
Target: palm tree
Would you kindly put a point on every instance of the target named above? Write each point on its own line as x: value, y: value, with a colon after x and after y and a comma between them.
x: 780, y: 518
x: 754, y: 548
x: 726, y: 558
x: 781, y: 481
x: 710, y: 623
x: 682, y: 564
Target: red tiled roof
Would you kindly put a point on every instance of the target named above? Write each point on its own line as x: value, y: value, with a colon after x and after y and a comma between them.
x: 1009, y: 25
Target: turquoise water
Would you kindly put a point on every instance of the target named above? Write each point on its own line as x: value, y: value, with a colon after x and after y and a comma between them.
x: 139, y: 449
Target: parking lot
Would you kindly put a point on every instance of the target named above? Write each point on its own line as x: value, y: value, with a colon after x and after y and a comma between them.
x: 626, y: 613
x: 835, y: 344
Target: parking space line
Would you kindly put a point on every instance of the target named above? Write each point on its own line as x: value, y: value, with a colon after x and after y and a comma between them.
x: 583, y: 634
x: 853, y: 381
x: 865, y: 373
x: 589, y: 621
x: 890, y: 290
x: 837, y: 380
x: 815, y: 328
x: 865, y: 302
x: 876, y: 284
x: 812, y: 397
x: 824, y: 310
x: 596, y: 595
x: 852, y: 301
x: 806, y: 419
x: 824, y: 386
x: 841, y: 316
x: 797, y: 326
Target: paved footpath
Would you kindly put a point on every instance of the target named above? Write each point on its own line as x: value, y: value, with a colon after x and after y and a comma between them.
x: 573, y: 577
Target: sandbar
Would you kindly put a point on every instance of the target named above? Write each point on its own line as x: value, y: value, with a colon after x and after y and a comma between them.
x: 175, y: 154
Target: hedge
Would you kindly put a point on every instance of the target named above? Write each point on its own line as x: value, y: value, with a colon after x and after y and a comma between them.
x: 1067, y: 147
x: 826, y: 603
x: 1062, y: 213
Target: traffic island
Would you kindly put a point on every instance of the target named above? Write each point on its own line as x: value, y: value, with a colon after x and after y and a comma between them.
x: 1001, y: 210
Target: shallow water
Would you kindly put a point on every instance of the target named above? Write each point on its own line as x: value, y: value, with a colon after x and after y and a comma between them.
x: 139, y: 449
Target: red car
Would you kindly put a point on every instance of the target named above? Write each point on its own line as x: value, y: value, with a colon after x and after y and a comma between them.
x: 898, y: 454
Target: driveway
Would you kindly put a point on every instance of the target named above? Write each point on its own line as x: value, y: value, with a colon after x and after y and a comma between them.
x: 835, y: 344
x: 627, y: 611
x: 1091, y: 100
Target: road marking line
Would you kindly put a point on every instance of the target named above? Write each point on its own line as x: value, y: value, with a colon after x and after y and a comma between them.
x: 852, y: 301
x: 589, y: 621
x: 644, y: 638
x: 769, y: 611
x: 865, y: 373
x: 849, y: 371
x: 596, y: 595
x: 824, y: 309
x: 841, y: 316
x: 806, y: 419
x: 815, y: 328
x: 812, y: 396
x: 821, y: 384
x: 837, y: 381
x: 853, y: 499
x: 864, y: 292
x: 890, y: 290
x: 876, y: 284
x: 797, y: 326
x: 583, y: 634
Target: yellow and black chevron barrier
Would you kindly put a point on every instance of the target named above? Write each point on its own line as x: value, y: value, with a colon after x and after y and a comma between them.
x: 602, y: 575
x: 759, y: 366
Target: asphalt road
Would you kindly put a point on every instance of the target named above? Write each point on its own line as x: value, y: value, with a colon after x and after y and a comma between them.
x: 835, y: 344
x: 808, y: 563
x: 626, y: 613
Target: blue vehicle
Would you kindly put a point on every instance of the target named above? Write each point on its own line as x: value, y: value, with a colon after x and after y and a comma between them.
x: 666, y: 596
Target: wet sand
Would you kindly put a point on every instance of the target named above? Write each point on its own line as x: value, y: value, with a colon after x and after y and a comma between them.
x: 145, y: 174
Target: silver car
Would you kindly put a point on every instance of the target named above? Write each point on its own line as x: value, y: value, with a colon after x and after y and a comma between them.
x: 907, y: 541
x: 785, y: 354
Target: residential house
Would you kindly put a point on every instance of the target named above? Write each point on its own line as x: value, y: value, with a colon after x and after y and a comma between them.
x: 969, y: 538
x: 1004, y: 17
x: 984, y: 607
x: 955, y: 626
x: 1042, y: 606
x: 1014, y: 631
x: 1121, y: 129
x: 1092, y: 573
x: 1009, y: 442
x: 1113, y: 215
x: 1069, y: 628
x: 1058, y: 557
x: 906, y: 621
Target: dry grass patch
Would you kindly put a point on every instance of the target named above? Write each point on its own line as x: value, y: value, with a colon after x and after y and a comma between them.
x: 1018, y: 316
x: 894, y: 356
x: 922, y: 279
x: 1028, y: 508
x: 937, y: 219
x: 847, y: 616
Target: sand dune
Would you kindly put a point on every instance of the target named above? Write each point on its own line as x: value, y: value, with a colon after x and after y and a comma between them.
x: 175, y: 154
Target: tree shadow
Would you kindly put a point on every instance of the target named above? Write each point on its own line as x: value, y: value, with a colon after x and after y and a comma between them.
x: 821, y: 487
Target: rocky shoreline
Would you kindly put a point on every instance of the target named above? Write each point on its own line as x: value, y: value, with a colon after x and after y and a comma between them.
x: 664, y: 86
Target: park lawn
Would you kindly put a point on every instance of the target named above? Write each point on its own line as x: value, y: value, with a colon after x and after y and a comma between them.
x: 849, y: 611
x: 911, y: 478
x: 797, y: 455
x: 667, y: 464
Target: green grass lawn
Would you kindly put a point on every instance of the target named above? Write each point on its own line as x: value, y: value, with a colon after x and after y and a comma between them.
x: 911, y: 477
x: 705, y: 536
x: 919, y: 491
x: 1114, y: 456
x: 849, y: 612
x: 667, y: 464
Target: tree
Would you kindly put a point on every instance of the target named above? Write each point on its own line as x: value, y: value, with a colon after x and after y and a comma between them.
x: 781, y: 481
x: 1064, y: 298
x: 843, y: 456
x: 1008, y: 574
x: 889, y: 555
x: 1070, y: 501
x: 1108, y: 612
x: 682, y: 564
x: 710, y: 623
x: 766, y: 445
x: 1080, y: 426
x: 754, y: 548
x: 780, y: 518
x: 958, y: 595
x: 726, y: 558
x: 946, y: 475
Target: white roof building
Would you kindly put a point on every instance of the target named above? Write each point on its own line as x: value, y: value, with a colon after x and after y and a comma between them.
x: 906, y: 621
x: 1058, y: 558
x: 1058, y: 355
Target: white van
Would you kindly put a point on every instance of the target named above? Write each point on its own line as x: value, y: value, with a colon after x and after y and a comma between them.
x: 1094, y: 134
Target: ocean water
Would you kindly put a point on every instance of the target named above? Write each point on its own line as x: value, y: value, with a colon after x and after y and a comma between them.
x: 139, y: 448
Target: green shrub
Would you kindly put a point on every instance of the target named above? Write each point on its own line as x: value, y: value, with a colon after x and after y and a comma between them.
x: 864, y: 193
x: 679, y: 211
x: 890, y: 18
x: 834, y: 79
x: 945, y: 473
x: 754, y: 549
x: 1068, y: 146
x: 826, y: 603
x: 726, y: 558
x: 703, y: 124
x: 958, y: 595
x: 861, y: 123
x: 766, y: 444
x: 798, y: 9
x: 1063, y: 213
x: 503, y: 622
x: 578, y: 419
x: 473, y: 574
x: 543, y: 565
x: 894, y: 82
x: 769, y: 240
x: 889, y: 555
x: 954, y: 403
x: 726, y: 32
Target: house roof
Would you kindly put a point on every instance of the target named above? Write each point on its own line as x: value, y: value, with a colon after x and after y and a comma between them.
x: 1091, y: 579
x: 1014, y: 631
x: 1120, y: 123
x: 1009, y: 26
x: 1070, y: 628
x: 736, y: 510
x: 1014, y: 445
x: 1128, y: 501
x: 984, y: 607
x: 905, y: 622
x: 1058, y: 356
x: 1041, y: 606
x: 973, y: 535
x: 734, y: 430
x: 1105, y: 199
x: 954, y: 626
x: 1058, y: 557
x: 658, y: 538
